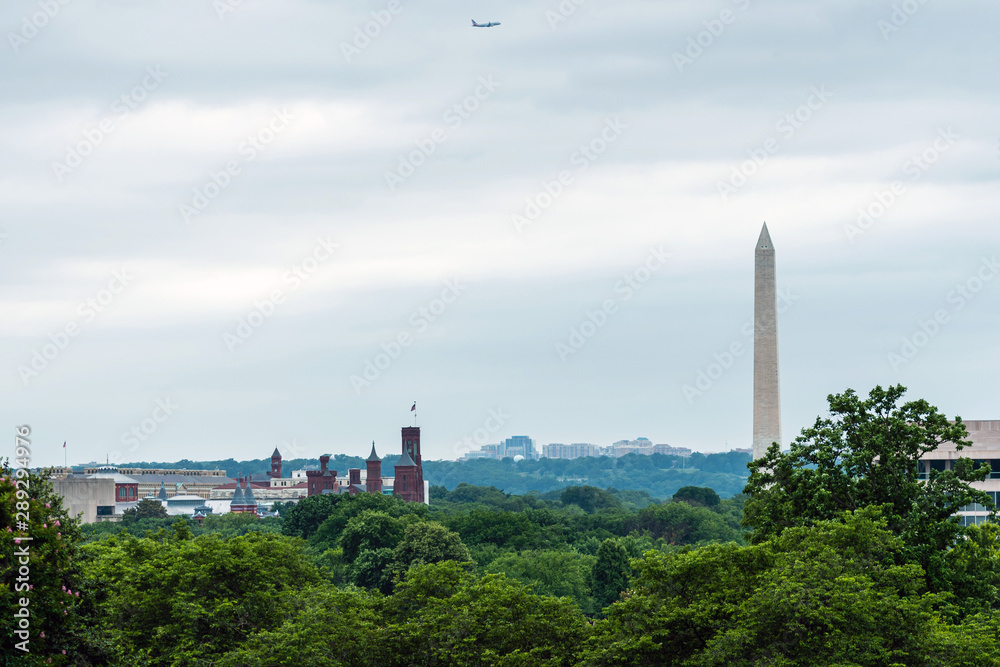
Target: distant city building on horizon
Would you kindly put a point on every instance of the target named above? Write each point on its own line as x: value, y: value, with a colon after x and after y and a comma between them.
x: 518, y: 445
x: 576, y: 450
x: 645, y: 447
x: 557, y: 450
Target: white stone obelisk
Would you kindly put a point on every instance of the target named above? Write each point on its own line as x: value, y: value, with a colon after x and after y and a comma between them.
x: 766, y: 391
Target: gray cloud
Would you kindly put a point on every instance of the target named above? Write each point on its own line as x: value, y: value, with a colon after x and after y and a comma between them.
x: 657, y: 184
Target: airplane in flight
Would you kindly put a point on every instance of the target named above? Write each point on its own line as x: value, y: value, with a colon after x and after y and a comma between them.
x: 482, y: 25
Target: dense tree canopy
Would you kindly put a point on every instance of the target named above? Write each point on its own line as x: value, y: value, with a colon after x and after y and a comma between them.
x: 429, y: 542
x: 370, y: 530
x: 611, y: 573
x: 321, y: 519
x: 854, y: 561
x: 697, y: 495
x: 836, y: 593
x: 865, y: 454
x: 550, y: 572
x: 589, y: 498
x: 447, y: 616
x: 180, y: 600
x: 147, y: 508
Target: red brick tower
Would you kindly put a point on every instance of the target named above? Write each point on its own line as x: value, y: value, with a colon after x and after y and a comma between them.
x: 323, y: 479
x: 407, y: 485
x: 374, y: 465
x: 275, y: 465
x: 354, y: 481
x: 410, y: 459
x: 411, y: 445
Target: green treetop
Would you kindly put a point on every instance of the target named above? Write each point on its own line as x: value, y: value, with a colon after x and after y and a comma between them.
x: 866, y: 454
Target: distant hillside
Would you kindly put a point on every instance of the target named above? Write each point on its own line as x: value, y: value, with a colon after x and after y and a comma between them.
x: 658, y: 475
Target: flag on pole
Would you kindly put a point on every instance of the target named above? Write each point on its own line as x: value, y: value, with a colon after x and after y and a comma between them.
x: 414, y: 407
x: 64, y: 444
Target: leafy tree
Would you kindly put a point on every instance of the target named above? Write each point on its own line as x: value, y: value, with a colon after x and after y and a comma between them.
x: 484, y: 554
x: 731, y: 462
x: 43, y: 571
x: 181, y: 528
x: 588, y: 546
x: 447, y: 616
x: 973, y: 569
x: 468, y: 493
x: 589, y: 498
x: 340, y: 513
x: 225, y: 525
x: 325, y: 627
x: 373, y: 569
x: 280, y: 507
x: 428, y: 542
x: 504, y: 529
x: 698, y: 496
x: 731, y: 510
x: 147, y: 508
x: 183, y: 601
x: 610, y: 574
x: 866, y: 454
x: 137, y: 527
x: 836, y: 593
x: 308, y: 514
x: 681, y: 523
x: 370, y: 530
x: 552, y: 573
x: 232, y: 524
x: 633, y: 499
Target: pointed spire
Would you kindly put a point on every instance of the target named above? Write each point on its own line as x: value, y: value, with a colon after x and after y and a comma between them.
x: 237, y: 495
x: 277, y: 454
x: 405, y: 460
x: 764, y: 242
x: 248, y: 498
x: 162, y: 495
x: 373, y: 456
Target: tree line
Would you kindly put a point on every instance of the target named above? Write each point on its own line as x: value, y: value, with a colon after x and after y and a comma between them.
x: 838, y: 554
x: 659, y: 475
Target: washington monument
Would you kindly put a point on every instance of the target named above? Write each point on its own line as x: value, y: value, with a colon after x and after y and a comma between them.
x: 766, y: 392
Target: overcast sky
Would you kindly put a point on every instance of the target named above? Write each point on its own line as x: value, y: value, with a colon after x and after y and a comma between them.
x: 217, y: 216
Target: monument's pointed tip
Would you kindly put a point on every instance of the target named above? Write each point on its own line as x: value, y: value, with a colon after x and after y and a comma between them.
x: 764, y: 242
